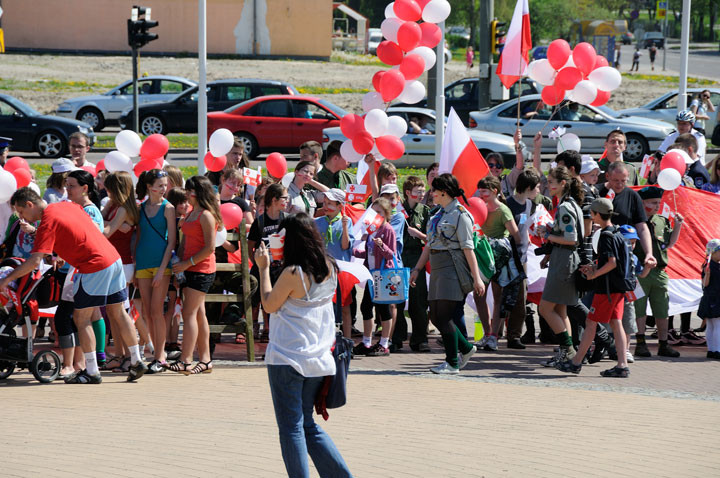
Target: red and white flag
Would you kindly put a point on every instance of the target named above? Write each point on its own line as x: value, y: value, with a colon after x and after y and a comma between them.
x: 349, y: 275
x: 362, y: 172
x: 460, y: 156
x: 251, y: 176
x: 356, y: 192
x: 401, y: 208
x: 646, y: 166
x: 368, y: 223
x: 610, y: 194
x: 514, y: 57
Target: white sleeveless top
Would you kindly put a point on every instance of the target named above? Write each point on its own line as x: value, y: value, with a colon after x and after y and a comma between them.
x: 302, y: 331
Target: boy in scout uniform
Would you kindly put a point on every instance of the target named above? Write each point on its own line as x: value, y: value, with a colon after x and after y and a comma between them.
x: 655, y: 285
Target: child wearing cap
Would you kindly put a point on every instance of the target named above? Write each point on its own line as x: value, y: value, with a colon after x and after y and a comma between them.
x: 710, y: 303
x: 655, y: 285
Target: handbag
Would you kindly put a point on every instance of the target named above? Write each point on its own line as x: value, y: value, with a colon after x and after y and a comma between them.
x: 462, y: 269
x: 333, y: 391
x: 390, y: 285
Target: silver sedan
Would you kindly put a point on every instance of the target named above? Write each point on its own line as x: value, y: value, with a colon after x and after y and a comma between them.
x: 420, y: 148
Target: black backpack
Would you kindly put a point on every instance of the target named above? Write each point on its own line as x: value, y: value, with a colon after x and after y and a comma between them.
x: 626, y: 280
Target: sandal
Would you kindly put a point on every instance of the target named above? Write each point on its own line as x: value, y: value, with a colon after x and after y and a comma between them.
x: 240, y: 339
x: 113, y: 362
x: 178, y: 366
x: 200, y: 367
x: 124, y: 366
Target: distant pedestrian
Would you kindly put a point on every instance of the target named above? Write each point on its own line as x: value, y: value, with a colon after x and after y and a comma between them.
x: 652, y: 51
x: 469, y: 57
x: 636, y: 60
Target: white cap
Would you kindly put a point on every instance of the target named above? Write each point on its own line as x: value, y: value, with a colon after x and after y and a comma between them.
x: 588, y: 164
x: 63, y: 165
x: 389, y: 189
x: 335, y: 194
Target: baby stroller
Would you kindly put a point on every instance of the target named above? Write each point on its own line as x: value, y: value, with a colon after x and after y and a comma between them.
x: 20, y: 306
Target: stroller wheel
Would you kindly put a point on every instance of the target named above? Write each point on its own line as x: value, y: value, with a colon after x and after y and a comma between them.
x: 6, y: 369
x: 45, y: 366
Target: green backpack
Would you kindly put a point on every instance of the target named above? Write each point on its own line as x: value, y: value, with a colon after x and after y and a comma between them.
x: 485, y: 257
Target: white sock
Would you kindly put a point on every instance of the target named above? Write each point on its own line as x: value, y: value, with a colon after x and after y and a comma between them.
x: 91, y: 363
x: 134, y: 354
x: 384, y: 341
x: 150, y: 347
x: 712, y: 334
x: 367, y: 341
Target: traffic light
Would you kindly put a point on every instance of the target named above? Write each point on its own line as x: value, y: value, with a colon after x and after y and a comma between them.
x: 496, y: 36
x: 138, y: 27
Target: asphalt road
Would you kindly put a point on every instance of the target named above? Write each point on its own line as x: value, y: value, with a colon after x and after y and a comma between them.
x: 703, y: 63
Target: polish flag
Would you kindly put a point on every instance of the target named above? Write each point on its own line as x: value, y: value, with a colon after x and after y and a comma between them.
x: 514, y: 57
x: 460, y: 156
x: 368, y: 223
x: 362, y: 172
x: 357, y: 192
x: 351, y: 274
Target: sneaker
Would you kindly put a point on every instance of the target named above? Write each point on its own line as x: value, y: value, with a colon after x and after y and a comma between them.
x: 664, y: 350
x: 554, y: 360
x: 616, y: 372
x: 569, y: 367
x: 463, y: 359
x: 81, y: 376
x: 445, y: 369
x: 361, y: 349
x: 629, y: 357
x: 137, y: 371
x: 480, y: 344
x: 515, y: 343
x: 378, y: 350
x: 155, y: 367
x: 492, y: 344
x: 691, y: 338
x: 674, y: 337
x: 355, y: 332
x: 642, y: 350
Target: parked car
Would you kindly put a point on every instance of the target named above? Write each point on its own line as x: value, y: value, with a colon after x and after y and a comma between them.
x: 420, y: 148
x: 655, y: 38
x: 627, y: 38
x: 277, y: 122
x: 591, y: 125
x: 539, y: 52
x: 179, y: 115
x: 33, y: 132
x: 375, y: 36
x: 101, y: 110
x: 664, y: 108
x: 458, y: 30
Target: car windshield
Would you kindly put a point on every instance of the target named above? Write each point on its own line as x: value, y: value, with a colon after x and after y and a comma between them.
x: 376, y: 37
x: 334, y: 108
x: 22, y: 107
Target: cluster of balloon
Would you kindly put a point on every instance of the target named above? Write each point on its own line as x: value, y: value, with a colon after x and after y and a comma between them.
x: 672, y: 169
x: 128, y: 145
x: 14, y: 175
x: 407, y: 48
x: 578, y: 74
x: 220, y: 144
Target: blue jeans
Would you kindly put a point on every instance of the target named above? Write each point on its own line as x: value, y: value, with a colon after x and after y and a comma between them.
x: 293, y: 398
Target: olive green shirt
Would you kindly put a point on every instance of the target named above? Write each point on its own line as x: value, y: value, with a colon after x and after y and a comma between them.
x: 338, y: 180
x: 660, y: 232
x: 418, y: 217
x: 494, y: 226
x: 632, y: 173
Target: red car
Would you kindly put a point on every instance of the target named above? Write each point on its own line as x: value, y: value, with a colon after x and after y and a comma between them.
x: 277, y: 123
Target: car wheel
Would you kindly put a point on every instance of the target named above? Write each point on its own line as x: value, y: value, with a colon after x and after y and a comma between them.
x: 93, y: 117
x: 50, y: 144
x: 152, y: 125
x: 637, y: 148
x: 250, y: 144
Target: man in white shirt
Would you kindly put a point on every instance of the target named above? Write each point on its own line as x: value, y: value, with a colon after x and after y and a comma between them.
x: 685, y: 121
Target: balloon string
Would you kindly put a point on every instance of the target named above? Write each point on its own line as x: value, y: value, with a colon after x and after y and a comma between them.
x: 675, y: 200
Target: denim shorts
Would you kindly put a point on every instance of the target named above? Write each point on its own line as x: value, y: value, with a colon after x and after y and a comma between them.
x: 199, y: 281
x: 100, y: 288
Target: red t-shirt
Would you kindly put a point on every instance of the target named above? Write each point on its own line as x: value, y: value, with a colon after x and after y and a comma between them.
x: 68, y: 231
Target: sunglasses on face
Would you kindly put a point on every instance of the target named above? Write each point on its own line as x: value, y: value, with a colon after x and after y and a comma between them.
x: 495, y: 165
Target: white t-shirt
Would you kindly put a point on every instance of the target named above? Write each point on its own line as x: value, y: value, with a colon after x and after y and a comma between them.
x: 670, y: 139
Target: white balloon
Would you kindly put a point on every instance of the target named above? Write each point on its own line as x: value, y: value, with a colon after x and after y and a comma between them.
x: 389, y: 10
x: 389, y: 28
x: 33, y: 185
x: 584, y: 92
x: 376, y: 153
x: 606, y: 78
x: 569, y: 62
x: 413, y: 92
x: 128, y: 142
x: 348, y: 152
x: 117, y: 161
x: 371, y: 101
x: 221, y: 142
x: 568, y: 142
x: 8, y: 185
x: 542, y: 72
x: 427, y: 54
x: 397, y: 126
x: 220, y: 237
x: 669, y: 179
x: 376, y: 122
x: 436, y: 11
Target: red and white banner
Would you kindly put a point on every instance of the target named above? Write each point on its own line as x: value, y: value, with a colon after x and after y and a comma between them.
x: 460, y: 156
x: 514, y: 57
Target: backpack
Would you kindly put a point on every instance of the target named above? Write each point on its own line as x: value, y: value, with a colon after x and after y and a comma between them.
x: 627, y: 280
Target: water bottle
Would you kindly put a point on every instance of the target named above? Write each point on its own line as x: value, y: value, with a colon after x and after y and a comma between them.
x: 180, y: 276
x: 479, y: 332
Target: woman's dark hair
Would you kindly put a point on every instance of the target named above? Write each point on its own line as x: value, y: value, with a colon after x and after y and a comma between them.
x: 86, y: 179
x: 57, y: 180
x: 493, y: 183
x: 448, y: 184
x: 497, y: 157
x: 304, y: 247
x: 274, y: 191
x: 147, y: 179
x: 573, y: 186
x: 205, y: 196
x: 302, y: 164
x: 527, y: 180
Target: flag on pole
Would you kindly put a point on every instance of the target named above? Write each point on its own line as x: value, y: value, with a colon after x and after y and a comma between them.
x: 362, y: 172
x: 514, y: 57
x: 460, y: 157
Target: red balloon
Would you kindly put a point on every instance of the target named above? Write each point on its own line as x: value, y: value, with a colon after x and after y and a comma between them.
x: 22, y: 176
x: 392, y: 83
x: 409, y: 35
x: 584, y: 57
x: 477, y: 209
x: 376, y: 79
x: 90, y: 169
x: 352, y: 124
x: 431, y: 35
x: 600, y: 61
x: 568, y: 77
x: 215, y: 164
x: 422, y: 3
x: 601, y: 98
x: 144, y: 165
x: 672, y: 160
x: 412, y: 66
x: 363, y: 143
x: 231, y: 215
x: 154, y: 146
x: 16, y: 162
x: 558, y: 53
x: 552, y: 95
x: 407, y: 10
x: 389, y: 53
x: 100, y: 166
x: 276, y: 165
x: 391, y: 147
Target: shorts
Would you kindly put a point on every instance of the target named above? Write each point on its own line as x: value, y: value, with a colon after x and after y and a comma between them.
x: 199, y: 281
x: 628, y: 321
x: 150, y: 273
x: 655, y: 286
x: 602, y: 312
x: 129, y: 270
x: 100, y: 288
